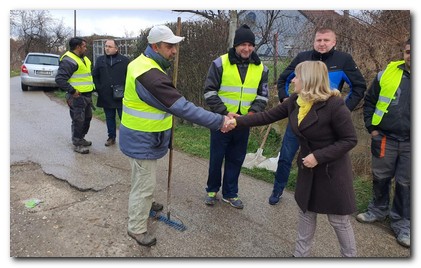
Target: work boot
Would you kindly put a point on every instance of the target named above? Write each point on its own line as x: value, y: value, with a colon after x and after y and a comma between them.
x: 84, y: 142
x: 81, y: 149
x: 110, y: 142
x: 157, y: 207
x: 274, y: 197
x: 144, y: 239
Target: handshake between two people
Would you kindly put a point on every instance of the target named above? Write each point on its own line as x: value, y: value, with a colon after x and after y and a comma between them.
x: 229, y: 122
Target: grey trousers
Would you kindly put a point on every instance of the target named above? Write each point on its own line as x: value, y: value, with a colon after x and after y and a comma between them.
x: 141, y: 194
x: 307, y: 227
x: 395, y: 162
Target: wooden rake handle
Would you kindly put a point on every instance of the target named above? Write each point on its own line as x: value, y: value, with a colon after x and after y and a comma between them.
x: 170, y: 157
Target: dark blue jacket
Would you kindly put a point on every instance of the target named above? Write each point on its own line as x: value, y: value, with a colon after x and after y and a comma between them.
x: 341, y: 67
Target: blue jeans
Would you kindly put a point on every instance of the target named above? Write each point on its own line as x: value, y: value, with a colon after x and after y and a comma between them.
x: 233, y: 147
x: 110, y: 120
x: 288, y: 150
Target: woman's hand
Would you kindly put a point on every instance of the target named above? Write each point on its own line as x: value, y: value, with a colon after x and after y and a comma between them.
x: 310, y: 161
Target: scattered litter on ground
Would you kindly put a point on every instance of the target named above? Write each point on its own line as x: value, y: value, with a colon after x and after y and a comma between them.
x: 33, y: 202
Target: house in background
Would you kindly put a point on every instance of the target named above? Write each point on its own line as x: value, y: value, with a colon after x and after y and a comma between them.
x: 294, y: 29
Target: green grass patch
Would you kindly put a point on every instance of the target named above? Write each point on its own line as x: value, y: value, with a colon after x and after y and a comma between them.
x: 184, y: 134
x: 14, y: 73
x: 363, y: 192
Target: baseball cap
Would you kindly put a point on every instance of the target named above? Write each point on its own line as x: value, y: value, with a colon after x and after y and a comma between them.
x: 162, y: 33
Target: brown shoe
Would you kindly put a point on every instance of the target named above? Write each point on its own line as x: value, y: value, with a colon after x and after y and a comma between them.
x: 110, y: 142
x: 144, y: 239
x: 157, y: 207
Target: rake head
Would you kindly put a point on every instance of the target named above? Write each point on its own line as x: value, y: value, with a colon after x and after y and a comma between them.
x: 176, y: 225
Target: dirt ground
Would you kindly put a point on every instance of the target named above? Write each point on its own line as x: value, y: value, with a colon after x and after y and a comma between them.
x: 62, y: 207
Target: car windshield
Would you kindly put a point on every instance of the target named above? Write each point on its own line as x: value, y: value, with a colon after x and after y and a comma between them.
x: 42, y: 60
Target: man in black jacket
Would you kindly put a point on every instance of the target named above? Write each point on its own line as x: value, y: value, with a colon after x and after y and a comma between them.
x: 109, y: 73
x: 74, y: 76
x: 342, y: 69
x: 236, y: 84
x: 387, y: 117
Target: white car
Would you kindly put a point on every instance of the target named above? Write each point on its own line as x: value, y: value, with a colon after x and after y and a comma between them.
x: 39, y: 70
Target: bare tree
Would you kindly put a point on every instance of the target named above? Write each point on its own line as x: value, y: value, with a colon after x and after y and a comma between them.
x: 373, y: 37
x: 211, y: 15
x: 229, y: 16
x: 266, y: 26
x: 264, y: 23
x: 233, y: 22
x: 38, y: 31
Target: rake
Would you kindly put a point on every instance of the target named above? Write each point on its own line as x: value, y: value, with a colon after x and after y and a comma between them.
x: 176, y: 225
x: 167, y: 220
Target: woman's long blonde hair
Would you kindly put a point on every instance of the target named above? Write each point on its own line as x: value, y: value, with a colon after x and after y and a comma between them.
x: 315, y: 81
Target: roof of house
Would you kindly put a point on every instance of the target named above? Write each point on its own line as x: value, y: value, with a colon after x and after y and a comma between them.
x: 317, y: 14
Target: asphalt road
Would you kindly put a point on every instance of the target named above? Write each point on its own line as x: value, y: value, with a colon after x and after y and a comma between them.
x: 84, y: 201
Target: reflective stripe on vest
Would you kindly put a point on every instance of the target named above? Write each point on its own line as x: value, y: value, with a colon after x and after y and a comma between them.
x: 137, y: 114
x: 81, y: 80
x: 235, y: 94
x: 389, y: 84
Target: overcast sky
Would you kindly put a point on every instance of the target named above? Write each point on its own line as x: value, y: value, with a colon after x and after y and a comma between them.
x: 117, y: 22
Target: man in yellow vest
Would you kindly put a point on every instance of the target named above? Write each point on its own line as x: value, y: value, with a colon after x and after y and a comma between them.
x: 387, y: 116
x: 236, y: 84
x: 149, y: 103
x: 74, y: 76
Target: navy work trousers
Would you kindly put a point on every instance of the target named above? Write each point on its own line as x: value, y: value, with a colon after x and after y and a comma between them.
x: 231, y: 147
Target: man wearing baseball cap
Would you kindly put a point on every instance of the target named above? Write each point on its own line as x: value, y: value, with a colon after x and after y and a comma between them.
x: 150, y: 100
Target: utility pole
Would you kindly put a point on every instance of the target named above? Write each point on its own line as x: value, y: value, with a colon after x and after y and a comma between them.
x: 74, y: 26
x: 275, y: 57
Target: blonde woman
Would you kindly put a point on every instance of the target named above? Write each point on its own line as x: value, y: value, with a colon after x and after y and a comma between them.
x: 323, y: 125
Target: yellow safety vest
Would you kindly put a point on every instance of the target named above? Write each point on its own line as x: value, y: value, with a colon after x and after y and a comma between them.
x: 235, y: 94
x: 137, y: 114
x: 389, y: 84
x: 81, y: 80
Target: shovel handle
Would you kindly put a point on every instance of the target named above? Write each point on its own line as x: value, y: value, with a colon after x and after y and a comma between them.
x: 265, y: 137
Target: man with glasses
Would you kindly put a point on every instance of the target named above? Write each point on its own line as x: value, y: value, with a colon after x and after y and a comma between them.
x: 109, y: 73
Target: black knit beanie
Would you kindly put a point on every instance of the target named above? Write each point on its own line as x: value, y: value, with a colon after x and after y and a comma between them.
x: 244, y: 34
